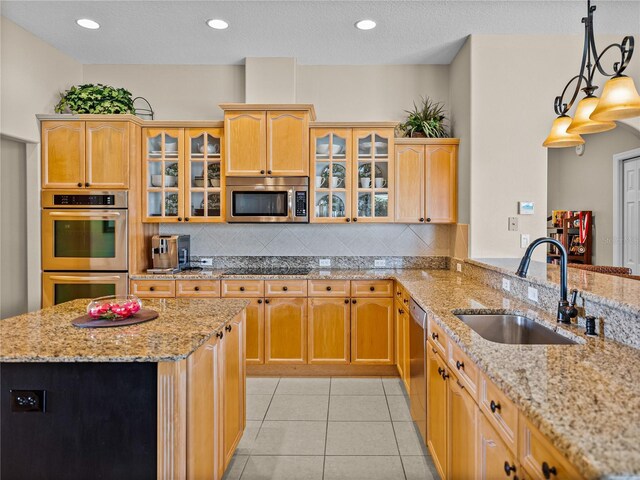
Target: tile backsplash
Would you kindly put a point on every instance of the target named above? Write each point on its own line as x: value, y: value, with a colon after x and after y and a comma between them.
x: 314, y: 239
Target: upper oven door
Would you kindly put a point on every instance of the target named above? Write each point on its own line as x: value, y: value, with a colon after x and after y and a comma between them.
x: 261, y: 204
x: 84, y: 240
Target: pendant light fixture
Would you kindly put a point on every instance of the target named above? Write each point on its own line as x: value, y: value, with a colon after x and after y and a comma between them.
x: 619, y: 100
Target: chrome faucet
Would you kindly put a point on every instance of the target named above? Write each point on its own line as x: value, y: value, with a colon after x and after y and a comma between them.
x: 566, y: 310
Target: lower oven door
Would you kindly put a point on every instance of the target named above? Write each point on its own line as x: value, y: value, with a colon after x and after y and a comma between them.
x: 84, y: 240
x: 266, y: 204
x: 60, y: 287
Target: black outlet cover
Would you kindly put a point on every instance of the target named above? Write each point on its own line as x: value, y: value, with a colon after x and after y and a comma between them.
x: 28, y: 400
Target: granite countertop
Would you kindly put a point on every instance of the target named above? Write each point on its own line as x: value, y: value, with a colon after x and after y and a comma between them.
x: 315, y: 274
x: 48, y: 336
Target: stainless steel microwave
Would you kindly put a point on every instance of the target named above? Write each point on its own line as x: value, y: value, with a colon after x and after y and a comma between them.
x: 267, y: 199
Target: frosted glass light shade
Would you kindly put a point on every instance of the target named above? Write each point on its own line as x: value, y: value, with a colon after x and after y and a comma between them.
x: 582, y: 123
x: 559, y: 138
x: 619, y: 100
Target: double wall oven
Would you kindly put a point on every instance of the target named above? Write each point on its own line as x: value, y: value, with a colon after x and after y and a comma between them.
x: 84, y: 245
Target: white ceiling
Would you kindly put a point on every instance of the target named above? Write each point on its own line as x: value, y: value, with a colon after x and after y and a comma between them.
x: 314, y: 32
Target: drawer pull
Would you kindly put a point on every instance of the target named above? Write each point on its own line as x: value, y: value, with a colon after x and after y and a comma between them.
x: 400, y: 311
x: 259, y: 301
x: 152, y: 289
x: 440, y: 370
x: 405, y: 300
x: 459, y: 384
x: 228, y: 328
x: 266, y: 300
x: 372, y: 288
x: 398, y: 293
x: 197, y: 289
x: 509, y: 468
x: 445, y: 375
x: 220, y: 335
x: 242, y: 289
x: 547, y: 471
x: 434, y: 350
x: 346, y: 300
x: 434, y: 335
x: 328, y: 289
x: 353, y: 301
x: 285, y: 288
x: 459, y: 364
x: 494, y: 406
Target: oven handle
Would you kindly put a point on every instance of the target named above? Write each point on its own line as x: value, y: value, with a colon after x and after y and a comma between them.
x: 84, y: 214
x: 65, y: 278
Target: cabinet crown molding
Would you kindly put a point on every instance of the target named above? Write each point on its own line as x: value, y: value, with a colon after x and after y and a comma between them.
x: 427, y: 141
x: 306, y: 107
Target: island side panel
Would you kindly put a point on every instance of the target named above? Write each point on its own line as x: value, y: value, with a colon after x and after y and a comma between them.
x: 99, y: 417
x: 172, y: 420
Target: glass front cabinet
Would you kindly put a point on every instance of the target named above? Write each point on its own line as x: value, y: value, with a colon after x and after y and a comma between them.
x: 182, y: 175
x: 352, y: 175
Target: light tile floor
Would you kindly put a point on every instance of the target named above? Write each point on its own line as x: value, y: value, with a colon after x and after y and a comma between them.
x: 331, y: 429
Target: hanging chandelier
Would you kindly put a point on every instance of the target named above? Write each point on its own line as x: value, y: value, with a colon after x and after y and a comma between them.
x: 619, y: 99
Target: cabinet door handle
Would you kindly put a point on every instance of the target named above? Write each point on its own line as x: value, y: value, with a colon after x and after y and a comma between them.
x: 459, y: 364
x: 179, y: 219
x: 328, y: 289
x: 353, y: 301
x: 259, y: 301
x: 440, y: 370
x: 428, y: 219
x: 509, y: 468
x: 261, y: 172
x: 434, y: 335
x: 285, y: 288
x: 220, y: 335
x: 372, y: 288
x: 242, y: 289
x: 355, y: 219
x: 398, y: 293
x: 346, y: 300
x: 405, y: 300
x: 186, y: 219
x: 422, y: 219
x: 348, y: 220
x: 547, y: 471
x: 266, y: 300
x: 228, y: 328
x: 152, y: 289
x: 445, y: 375
x: 268, y: 172
x: 459, y: 384
x: 494, y: 406
x: 400, y: 311
x: 80, y: 184
x: 87, y: 184
x: 197, y: 289
x: 434, y: 350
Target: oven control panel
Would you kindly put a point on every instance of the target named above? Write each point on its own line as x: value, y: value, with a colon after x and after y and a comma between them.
x: 301, y: 204
x: 84, y: 200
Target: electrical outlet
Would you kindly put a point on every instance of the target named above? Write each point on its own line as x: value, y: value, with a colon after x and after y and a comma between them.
x: 513, y: 224
x: 381, y: 263
x: 506, y: 303
x: 525, y: 239
x: 532, y: 293
x: 506, y: 284
x: 325, y: 262
x: 458, y: 267
x: 206, y: 262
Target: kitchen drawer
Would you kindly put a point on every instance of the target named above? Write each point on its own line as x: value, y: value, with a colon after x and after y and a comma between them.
x: 198, y: 288
x: 285, y: 288
x: 153, y: 288
x: 437, y: 336
x: 401, y: 294
x: 540, y: 458
x: 329, y: 288
x: 242, y: 288
x: 465, y: 369
x: 500, y: 411
x: 372, y: 288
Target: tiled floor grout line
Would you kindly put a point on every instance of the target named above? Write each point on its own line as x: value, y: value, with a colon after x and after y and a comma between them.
x: 395, y: 437
x: 326, y: 430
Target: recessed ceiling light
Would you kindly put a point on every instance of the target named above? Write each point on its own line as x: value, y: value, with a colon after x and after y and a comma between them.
x: 366, y: 24
x: 218, y: 24
x: 87, y: 23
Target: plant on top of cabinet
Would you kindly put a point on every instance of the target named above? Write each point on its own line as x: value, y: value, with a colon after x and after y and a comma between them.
x: 95, y: 98
x: 427, y: 120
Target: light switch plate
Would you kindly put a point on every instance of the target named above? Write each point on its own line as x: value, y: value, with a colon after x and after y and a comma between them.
x: 380, y: 263
x: 458, y: 267
x: 532, y: 293
x: 513, y: 224
x: 506, y: 284
x: 206, y: 262
x: 325, y: 262
x: 525, y: 239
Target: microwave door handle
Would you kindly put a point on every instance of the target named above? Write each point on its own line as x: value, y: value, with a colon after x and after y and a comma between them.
x: 290, y: 204
x: 84, y: 214
x: 67, y: 278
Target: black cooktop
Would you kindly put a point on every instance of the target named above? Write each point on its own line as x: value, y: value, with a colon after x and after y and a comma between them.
x: 267, y: 271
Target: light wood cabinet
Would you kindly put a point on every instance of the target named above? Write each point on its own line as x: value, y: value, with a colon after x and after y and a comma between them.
x: 285, y: 288
x: 465, y: 370
x: 254, y: 328
x: 198, y: 288
x: 245, y: 142
x: 329, y: 334
x: 233, y: 378
x: 437, y: 412
x: 500, y: 411
x: 372, y: 288
x: 372, y: 331
x: 266, y: 139
x: 329, y: 288
x: 494, y: 457
x: 288, y: 143
x: 242, y: 288
x: 153, y: 288
x: 79, y: 154
x: 285, y: 330
x: 402, y: 342
x: 462, y: 431
x: 426, y: 181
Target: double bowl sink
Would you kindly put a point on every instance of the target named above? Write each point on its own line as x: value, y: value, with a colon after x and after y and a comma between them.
x: 513, y: 329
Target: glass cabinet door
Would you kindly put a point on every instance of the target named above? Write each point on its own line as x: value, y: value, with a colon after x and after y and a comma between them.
x: 163, y: 172
x: 330, y: 175
x: 373, y: 175
x: 204, y: 182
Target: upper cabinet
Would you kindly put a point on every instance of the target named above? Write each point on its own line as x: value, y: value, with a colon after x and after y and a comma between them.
x: 267, y: 140
x: 182, y: 175
x: 85, y: 154
x: 352, y: 176
x: 426, y: 180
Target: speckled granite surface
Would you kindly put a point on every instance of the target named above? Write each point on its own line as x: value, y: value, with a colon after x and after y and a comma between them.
x: 48, y: 336
x: 330, y: 274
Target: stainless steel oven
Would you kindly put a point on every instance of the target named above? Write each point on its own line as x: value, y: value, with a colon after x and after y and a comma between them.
x: 60, y: 287
x: 84, y: 231
x: 267, y: 199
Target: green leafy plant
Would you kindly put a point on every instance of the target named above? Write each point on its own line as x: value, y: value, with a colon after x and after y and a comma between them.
x: 426, y: 120
x: 171, y: 170
x: 95, y: 98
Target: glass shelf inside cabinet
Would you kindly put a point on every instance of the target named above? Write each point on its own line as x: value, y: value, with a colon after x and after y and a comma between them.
x: 330, y: 205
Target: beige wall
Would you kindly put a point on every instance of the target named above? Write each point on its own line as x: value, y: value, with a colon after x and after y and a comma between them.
x: 270, y: 80
x: 176, y: 92
x: 13, y: 228
x: 586, y: 183
x: 369, y: 92
x: 460, y: 118
x: 33, y: 73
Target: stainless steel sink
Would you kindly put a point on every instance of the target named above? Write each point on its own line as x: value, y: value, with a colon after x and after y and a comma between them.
x: 513, y: 329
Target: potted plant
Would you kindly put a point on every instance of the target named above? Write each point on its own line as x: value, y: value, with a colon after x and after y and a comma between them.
x: 171, y: 175
x: 95, y: 98
x: 427, y: 120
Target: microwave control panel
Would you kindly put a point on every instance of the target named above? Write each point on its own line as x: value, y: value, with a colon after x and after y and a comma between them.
x: 301, y: 204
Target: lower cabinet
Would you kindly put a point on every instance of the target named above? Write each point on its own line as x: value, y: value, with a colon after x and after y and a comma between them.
x: 372, y: 332
x: 462, y: 430
x: 437, y: 410
x: 254, y: 327
x: 495, y: 460
x: 285, y: 330
x: 402, y: 342
x: 329, y: 331
x: 233, y: 381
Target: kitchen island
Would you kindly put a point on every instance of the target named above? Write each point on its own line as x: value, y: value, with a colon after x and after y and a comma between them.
x: 161, y: 399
